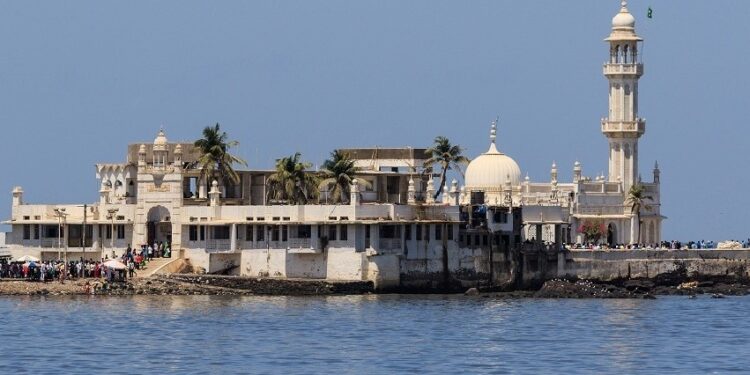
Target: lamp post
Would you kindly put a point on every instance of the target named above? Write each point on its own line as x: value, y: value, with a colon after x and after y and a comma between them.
x: 111, y: 216
x: 62, y: 216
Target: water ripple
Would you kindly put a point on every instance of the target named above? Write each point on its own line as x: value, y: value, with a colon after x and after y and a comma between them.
x: 373, y: 334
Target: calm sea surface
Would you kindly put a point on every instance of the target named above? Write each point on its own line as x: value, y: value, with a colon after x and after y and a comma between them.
x: 372, y: 334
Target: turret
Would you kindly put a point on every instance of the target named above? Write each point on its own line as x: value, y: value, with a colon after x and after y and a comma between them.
x: 657, y: 173
x: 178, y: 156
x: 142, y: 157
x: 160, y: 150
x: 411, y: 193
x: 17, y: 196
x: 454, y: 193
x: 430, y: 198
x: 576, y: 172
x: 214, y: 195
x: 553, y: 173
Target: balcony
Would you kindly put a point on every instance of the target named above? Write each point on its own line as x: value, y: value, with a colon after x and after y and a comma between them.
x: 623, y: 69
x: 624, y: 127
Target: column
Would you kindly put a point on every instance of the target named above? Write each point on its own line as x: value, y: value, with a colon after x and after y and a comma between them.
x: 233, y: 237
x: 538, y: 233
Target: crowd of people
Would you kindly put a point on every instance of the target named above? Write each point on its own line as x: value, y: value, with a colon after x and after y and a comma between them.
x: 132, y: 259
x: 663, y: 245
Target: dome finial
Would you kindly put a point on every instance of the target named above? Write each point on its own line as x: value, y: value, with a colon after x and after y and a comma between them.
x: 493, y: 129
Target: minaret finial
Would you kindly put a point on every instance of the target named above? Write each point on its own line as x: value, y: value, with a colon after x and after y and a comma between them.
x: 493, y: 129
x: 624, y: 3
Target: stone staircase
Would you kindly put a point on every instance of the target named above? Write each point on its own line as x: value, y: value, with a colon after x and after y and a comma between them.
x: 154, y: 265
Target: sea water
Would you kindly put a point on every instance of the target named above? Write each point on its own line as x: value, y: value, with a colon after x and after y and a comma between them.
x: 372, y: 334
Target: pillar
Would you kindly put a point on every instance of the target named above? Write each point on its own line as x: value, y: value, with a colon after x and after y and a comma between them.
x: 411, y: 192
x: 354, y: 193
x: 214, y: 194
x: 202, y: 194
x: 539, y: 233
x: 233, y: 237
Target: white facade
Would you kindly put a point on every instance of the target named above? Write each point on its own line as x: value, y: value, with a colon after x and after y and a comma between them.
x: 391, y: 231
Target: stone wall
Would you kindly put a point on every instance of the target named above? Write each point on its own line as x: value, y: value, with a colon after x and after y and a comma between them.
x: 609, y: 265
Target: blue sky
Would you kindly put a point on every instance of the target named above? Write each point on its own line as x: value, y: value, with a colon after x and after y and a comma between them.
x: 80, y: 80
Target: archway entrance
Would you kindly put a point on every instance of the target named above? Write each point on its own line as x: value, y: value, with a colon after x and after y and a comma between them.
x: 159, y: 225
x: 611, y: 235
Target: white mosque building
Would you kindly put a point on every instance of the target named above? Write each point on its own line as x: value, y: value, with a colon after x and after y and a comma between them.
x: 390, y: 231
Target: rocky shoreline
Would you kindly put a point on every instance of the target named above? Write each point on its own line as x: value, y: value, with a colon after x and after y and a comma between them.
x: 193, y: 284
x: 186, y: 285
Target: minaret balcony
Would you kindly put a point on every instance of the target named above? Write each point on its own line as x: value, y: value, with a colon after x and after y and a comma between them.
x: 624, y: 128
x: 614, y: 69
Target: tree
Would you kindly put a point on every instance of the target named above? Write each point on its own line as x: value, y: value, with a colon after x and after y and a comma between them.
x: 592, y: 230
x: 291, y: 183
x: 337, y: 175
x: 637, y: 199
x: 215, y: 159
x: 447, y: 156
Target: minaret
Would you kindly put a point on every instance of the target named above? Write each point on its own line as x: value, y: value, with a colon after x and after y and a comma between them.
x: 622, y: 126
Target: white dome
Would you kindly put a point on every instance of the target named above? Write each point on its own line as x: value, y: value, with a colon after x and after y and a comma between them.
x: 623, y: 20
x: 161, y: 138
x: 491, y: 170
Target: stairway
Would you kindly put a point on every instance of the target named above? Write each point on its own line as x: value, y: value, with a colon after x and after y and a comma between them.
x: 153, y: 266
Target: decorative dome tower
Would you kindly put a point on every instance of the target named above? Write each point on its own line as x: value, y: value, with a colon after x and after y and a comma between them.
x: 160, y: 150
x: 622, y: 126
x: 490, y: 171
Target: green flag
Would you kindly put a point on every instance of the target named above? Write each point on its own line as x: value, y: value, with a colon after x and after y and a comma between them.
x: 650, y: 13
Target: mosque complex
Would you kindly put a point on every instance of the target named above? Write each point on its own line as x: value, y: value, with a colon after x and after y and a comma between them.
x: 392, y: 230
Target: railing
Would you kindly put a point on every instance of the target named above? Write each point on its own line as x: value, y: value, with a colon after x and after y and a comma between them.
x: 219, y: 245
x: 610, y: 68
x: 603, y: 210
x: 390, y: 243
x: 299, y: 243
x: 609, y: 126
x: 52, y: 242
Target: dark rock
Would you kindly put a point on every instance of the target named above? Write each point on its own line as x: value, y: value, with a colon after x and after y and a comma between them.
x: 472, y: 292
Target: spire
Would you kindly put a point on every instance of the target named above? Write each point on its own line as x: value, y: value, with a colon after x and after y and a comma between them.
x: 493, y: 136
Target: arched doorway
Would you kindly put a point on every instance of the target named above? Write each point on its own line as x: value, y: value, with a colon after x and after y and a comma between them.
x: 611, y: 235
x: 159, y: 225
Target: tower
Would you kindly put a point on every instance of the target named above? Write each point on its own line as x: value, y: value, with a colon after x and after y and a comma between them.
x: 622, y: 126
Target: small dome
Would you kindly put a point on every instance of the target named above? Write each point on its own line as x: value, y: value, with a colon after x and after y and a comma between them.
x: 492, y: 170
x: 161, y: 139
x: 623, y: 20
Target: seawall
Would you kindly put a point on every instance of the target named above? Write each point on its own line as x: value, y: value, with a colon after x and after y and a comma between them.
x: 665, y: 266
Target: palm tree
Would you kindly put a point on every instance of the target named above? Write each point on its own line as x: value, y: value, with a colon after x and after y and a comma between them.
x: 637, y: 199
x: 215, y: 159
x: 337, y: 175
x: 448, y: 156
x: 291, y: 182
